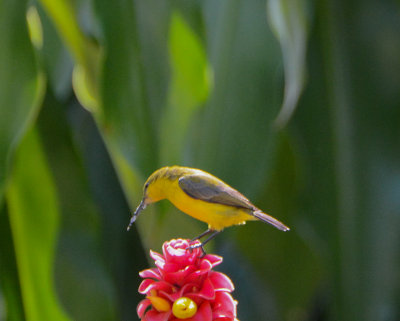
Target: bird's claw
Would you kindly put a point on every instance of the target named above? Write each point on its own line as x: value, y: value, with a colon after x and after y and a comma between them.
x: 196, y: 246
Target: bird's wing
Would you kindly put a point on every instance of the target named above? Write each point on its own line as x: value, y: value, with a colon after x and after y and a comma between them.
x: 210, y: 189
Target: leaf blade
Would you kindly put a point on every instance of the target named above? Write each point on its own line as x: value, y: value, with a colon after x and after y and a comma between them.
x: 34, y: 221
x: 288, y: 19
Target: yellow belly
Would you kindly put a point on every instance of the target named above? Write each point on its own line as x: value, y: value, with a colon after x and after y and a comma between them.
x: 217, y: 216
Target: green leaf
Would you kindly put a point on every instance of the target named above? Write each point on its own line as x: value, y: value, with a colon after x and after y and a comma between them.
x: 79, y: 259
x: 189, y: 88
x: 34, y: 220
x: 35, y: 27
x: 9, y: 281
x: 86, y: 54
x: 127, y: 122
x: 21, y: 84
x: 122, y: 251
x: 288, y: 19
x: 56, y: 60
x: 281, y: 259
x: 190, y: 72
x: 235, y: 126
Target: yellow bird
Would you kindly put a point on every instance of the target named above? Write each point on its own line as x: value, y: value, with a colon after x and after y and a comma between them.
x: 202, y: 196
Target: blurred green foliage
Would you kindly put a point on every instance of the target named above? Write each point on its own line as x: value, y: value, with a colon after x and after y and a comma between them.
x: 295, y: 103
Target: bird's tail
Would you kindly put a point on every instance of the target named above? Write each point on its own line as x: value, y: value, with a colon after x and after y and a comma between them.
x: 269, y: 219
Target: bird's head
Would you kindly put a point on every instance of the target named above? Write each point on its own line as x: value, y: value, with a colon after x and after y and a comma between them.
x: 153, y: 191
x: 154, y: 188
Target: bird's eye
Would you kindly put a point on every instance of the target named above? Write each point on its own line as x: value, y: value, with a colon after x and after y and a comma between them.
x: 146, y: 185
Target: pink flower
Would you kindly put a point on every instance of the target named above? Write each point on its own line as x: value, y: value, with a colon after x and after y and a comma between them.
x: 183, y: 286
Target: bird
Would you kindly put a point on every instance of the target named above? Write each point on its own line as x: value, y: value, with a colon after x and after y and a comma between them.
x: 204, y: 197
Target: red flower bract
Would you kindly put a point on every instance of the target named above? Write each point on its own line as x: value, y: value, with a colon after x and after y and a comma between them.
x: 185, y: 274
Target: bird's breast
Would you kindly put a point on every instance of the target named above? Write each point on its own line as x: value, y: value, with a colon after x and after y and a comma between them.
x: 217, y: 216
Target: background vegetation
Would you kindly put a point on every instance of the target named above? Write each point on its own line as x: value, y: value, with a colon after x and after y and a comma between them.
x: 293, y: 102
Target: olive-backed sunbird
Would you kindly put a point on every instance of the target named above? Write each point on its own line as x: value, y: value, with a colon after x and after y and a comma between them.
x: 202, y: 196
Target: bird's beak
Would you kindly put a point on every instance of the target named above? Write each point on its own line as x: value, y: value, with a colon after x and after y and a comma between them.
x: 141, y: 207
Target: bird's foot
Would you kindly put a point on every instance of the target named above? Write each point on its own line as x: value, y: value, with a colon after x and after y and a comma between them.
x: 196, y: 246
